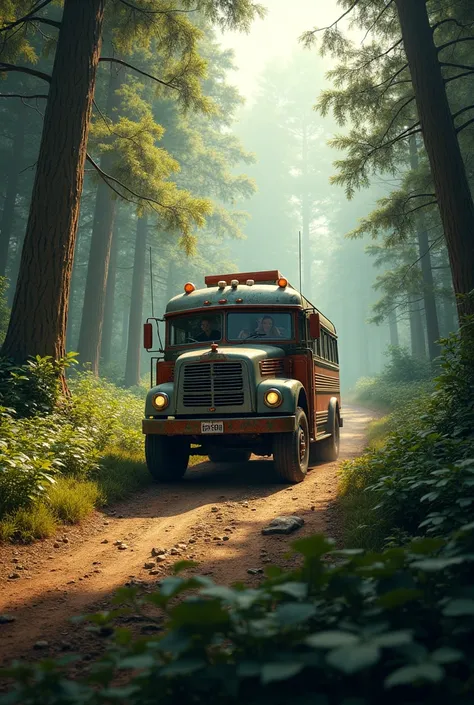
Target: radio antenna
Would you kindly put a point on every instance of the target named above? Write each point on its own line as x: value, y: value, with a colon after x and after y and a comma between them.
x: 151, y: 285
x: 299, y: 257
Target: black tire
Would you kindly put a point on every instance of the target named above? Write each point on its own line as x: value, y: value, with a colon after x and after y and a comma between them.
x: 167, y: 457
x: 328, y: 450
x: 291, y: 450
x: 222, y: 455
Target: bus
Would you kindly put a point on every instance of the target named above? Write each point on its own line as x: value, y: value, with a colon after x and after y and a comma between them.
x: 249, y: 366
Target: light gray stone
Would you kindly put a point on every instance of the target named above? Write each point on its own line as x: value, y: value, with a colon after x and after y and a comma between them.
x: 283, y: 525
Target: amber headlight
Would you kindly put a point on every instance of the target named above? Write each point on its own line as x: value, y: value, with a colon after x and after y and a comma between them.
x: 160, y: 401
x: 273, y: 398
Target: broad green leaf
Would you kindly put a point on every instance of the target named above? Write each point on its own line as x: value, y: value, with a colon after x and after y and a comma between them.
x: 351, y: 659
x: 447, y: 655
x: 293, y: 613
x: 426, y: 545
x: 396, y: 598
x: 414, y: 674
x: 459, y: 607
x: 297, y: 590
x: 435, y: 564
x: 332, y: 639
x: 138, y: 661
x: 175, y: 642
x: 313, y: 546
x: 183, y: 667
x: 392, y: 639
x: 280, y: 671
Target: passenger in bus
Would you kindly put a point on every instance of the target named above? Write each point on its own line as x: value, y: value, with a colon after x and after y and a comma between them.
x: 207, y: 332
x: 267, y: 328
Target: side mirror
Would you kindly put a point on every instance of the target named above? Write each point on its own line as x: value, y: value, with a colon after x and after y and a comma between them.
x: 147, y: 336
x: 314, y: 326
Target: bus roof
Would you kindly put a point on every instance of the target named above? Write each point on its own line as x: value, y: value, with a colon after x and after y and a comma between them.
x: 243, y: 295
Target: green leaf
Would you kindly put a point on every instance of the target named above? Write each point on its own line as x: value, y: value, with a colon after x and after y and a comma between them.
x: 392, y: 639
x: 351, y: 659
x: 221, y: 592
x: 199, y: 612
x: 175, y: 642
x: 138, y: 661
x: 331, y: 639
x: 426, y: 545
x: 297, y: 590
x: 249, y: 669
x: 398, y: 597
x: 447, y: 655
x: 294, y: 613
x: 180, y: 566
x: 280, y: 671
x: 313, y: 546
x: 411, y: 675
x: 435, y: 564
x: 459, y: 607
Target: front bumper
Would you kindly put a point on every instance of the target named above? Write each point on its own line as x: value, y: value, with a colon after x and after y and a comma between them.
x: 192, y: 427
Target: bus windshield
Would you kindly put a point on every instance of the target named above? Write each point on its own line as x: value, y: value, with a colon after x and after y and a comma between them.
x: 244, y: 325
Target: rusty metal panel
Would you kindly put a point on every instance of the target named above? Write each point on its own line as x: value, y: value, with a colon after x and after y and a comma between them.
x: 192, y: 427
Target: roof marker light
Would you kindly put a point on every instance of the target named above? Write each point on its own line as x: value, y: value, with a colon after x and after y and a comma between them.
x: 239, y: 301
x: 222, y: 301
x: 282, y: 282
x: 250, y: 282
x: 189, y: 288
x: 234, y: 283
x: 207, y: 303
x: 222, y: 284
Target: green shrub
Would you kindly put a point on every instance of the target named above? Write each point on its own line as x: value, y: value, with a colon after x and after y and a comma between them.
x: 71, y: 500
x: 29, y: 524
x: 421, y: 479
x: 347, y: 627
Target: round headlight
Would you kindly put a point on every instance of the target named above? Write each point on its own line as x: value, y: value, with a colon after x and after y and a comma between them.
x: 273, y: 398
x: 160, y: 401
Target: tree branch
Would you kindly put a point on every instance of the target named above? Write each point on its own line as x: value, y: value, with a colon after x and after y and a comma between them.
x: 24, y: 97
x: 457, y: 66
x: 463, y: 110
x: 381, y: 13
x: 456, y: 22
x: 111, y: 59
x: 454, y: 41
x: 459, y: 75
x: 462, y: 127
x: 24, y: 69
x: 145, y: 11
x: 29, y: 17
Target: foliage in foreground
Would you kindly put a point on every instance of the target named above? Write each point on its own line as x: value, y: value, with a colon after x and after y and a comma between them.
x: 51, y: 452
x: 346, y: 627
x: 422, y: 478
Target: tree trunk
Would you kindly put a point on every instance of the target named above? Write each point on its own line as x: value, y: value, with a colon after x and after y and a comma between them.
x: 393, y: 327
x: 432, y: 326
x: 132, y: 368
x: 108, y: 327
x: 12, y: 178
x: 417, y: 333
x: 39, y: 313
x: 99, y: 256
x: 449, y: 174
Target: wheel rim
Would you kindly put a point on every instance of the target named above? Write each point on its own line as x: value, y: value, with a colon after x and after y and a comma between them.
x: 302, y: 445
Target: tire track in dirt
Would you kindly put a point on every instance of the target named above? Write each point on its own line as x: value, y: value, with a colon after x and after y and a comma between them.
x: 63, y: 579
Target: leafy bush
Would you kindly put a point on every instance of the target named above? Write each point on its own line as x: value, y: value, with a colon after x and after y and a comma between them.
x: 347, y: 627
x: 422, y: 478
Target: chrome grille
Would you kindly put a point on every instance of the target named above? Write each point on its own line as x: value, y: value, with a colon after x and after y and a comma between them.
x: 213, y: 384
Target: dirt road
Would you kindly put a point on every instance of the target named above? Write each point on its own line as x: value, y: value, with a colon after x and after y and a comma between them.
x: 214, y: 516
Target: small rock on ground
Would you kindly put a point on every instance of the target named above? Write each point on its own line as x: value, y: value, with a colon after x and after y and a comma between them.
x: 283, y: 525
x: 7, y: 619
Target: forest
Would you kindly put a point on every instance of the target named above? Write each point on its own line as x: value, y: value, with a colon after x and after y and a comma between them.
x: 137, y: 155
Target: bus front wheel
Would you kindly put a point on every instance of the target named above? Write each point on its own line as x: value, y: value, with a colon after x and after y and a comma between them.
x: 167, y: 457
x: 291, y: 450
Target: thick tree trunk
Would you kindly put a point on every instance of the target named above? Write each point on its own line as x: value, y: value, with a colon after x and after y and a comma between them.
x: 96, y: 283
x: 417, y: 333
x: 108, y: 327
x: 39, y: 313
x: 132, y: 368
x: 449, y: 174
x: 12, y: 178
x: 432, y: 326
x: 393, y: 327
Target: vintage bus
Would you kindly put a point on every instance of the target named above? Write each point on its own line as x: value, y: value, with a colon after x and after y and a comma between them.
x: 249, y: 366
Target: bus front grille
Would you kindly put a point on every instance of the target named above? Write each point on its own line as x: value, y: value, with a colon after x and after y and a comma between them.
x: 213, y: 384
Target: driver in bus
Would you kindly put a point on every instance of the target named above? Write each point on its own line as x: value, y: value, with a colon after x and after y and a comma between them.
x: 207, y: 332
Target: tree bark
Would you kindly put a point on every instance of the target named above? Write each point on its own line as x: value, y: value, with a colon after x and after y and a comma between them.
x: 90, y: 334
x: 39, y: 313
x: 108, y: 327
x: 12, y: 178
x: 439, y: 133
x: 417, y: 333
x: 431, y: 315
x: 132, y: 367
x: 393, y: 327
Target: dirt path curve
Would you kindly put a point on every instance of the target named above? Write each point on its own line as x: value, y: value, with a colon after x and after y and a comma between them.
x: 216, y: 514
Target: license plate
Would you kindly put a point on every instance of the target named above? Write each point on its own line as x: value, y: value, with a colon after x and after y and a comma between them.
x: 212, y: 427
